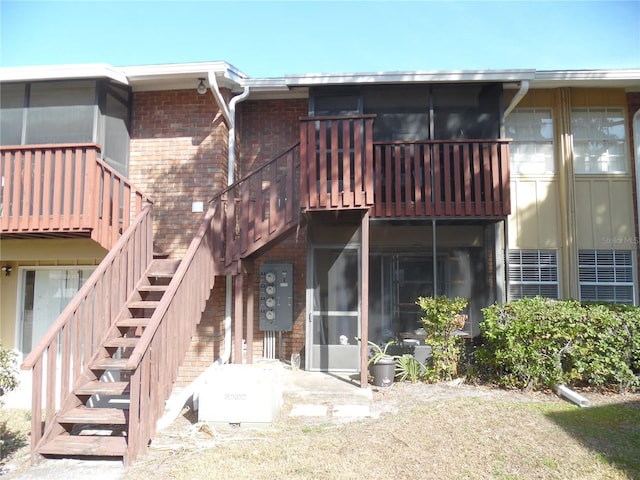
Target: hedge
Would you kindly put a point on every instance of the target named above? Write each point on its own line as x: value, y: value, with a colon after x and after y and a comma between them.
x: 538, y: 342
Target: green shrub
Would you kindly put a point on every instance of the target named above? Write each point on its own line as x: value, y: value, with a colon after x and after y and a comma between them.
x: 8, y: 371
x: 537, y: 342
x: 408, y: 368
x: 441, y: 318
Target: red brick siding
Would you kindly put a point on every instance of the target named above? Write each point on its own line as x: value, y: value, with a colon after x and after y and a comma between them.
x: 207, y: 344
x: 266, y: 128
x: 178, y: 156
x: 293, y: 250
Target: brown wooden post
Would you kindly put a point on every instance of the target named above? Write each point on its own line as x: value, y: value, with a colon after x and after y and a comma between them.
x: 238, y: 321
x: 364, y: 282
x: 250, y: 294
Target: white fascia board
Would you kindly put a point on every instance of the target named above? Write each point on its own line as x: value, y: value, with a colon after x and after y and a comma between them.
x: 181, y: 75
x: 410, y: 77
x: 62, y: 72
x: 616, y: 78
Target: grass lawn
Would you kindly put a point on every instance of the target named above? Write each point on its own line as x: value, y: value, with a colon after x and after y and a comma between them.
x: 460, y: 433
x: 460, y: 437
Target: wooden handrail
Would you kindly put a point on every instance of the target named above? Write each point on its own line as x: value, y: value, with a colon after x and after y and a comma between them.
x: 143, y: 344
x: 212, y: 215
x: 253, y: 173
x: 434, y: 142
x: 73, y: 305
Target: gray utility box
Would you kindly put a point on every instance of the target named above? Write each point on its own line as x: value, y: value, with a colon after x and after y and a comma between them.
x: 276, y: 297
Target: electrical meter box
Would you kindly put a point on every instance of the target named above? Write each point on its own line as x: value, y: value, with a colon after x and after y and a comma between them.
x: 276, y: 297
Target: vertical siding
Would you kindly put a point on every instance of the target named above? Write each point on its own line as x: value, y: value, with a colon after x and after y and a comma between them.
x: 605, y: 213
x: 534, y: 222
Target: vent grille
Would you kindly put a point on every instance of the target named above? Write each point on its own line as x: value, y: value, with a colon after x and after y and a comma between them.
x: 606, y: 276
x: 533, y: 273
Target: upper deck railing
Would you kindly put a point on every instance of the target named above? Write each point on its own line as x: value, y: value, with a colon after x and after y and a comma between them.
x: 343, y: 166
x: 64, y: 191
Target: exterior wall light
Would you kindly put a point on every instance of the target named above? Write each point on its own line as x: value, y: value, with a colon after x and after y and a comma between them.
x: 202, y: 88
x: 6, y: 269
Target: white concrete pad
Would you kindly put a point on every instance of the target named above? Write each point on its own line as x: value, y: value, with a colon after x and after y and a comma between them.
x: 306, y: 410
x: 351, y: 411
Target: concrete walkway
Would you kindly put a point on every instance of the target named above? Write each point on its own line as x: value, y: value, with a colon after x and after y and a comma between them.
x: 308, y: 395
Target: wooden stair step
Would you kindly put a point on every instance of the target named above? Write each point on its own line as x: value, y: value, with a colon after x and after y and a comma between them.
x: 153, y: 288
x: 97, y: 416
x: 162, y: 268
x: 133, y: 322
x: 143, y: 304
x: 109, y: 364
x: 99, y: 446
x: 122, y: 342
x: 103, y: 388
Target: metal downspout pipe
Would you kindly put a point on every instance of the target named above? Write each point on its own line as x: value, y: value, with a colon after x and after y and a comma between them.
x: 522, y: 91
x: 176, y: 402
x: 229, y: 113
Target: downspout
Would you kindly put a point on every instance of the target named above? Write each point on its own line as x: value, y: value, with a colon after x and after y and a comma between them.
x: 229, y: 113
x: 522, y: 91
x: 503, y: 290
x: 176, y: 402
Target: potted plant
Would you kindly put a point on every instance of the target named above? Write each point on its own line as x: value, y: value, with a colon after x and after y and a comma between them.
x: 382, y: 365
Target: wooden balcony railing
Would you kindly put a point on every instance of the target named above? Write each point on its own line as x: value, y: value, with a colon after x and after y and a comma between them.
x: 442, y: 178
x: 336, y: 162
x: 258, y: 208
x: 343, y: 167
x: 64, y: 190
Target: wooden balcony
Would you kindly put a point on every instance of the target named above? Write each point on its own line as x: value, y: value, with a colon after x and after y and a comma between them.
x: 343, y: 167
x: 64, y: 191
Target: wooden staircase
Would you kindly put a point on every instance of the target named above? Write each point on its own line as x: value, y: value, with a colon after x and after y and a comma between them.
x: 104, y: 370
x: 93, y: 421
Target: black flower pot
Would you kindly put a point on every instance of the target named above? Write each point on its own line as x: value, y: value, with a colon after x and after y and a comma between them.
x: 383, y: 372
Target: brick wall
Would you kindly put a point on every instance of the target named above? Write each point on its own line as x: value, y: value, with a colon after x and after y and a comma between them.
x: 265, y: 128
x: 178, y: 156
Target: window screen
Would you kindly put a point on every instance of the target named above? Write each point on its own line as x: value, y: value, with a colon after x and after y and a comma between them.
x: 61, y: 112
x: 12, y: 104
x: 533, y: 273
x: 599, y: 140
x: 466, y: 112
x: 606, y: 276
x: 532, y: 149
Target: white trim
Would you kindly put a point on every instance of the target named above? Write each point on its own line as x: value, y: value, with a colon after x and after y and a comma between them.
x: 636, y: 146
x: 408, y: 76
x: 59, y: 72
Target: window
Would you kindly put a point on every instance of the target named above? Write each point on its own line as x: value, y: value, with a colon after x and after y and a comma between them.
x: 599, y: 140
x: 61, y: 112
x: 46, y: 293
x: 466, y: 111
x: 606, y: 276
x: 532, y: 147
x: 12, y: 102
x: 533, y: 273
x: 68, y: 112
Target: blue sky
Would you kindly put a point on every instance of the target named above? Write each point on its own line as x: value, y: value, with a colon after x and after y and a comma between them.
x: 266, y: 38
